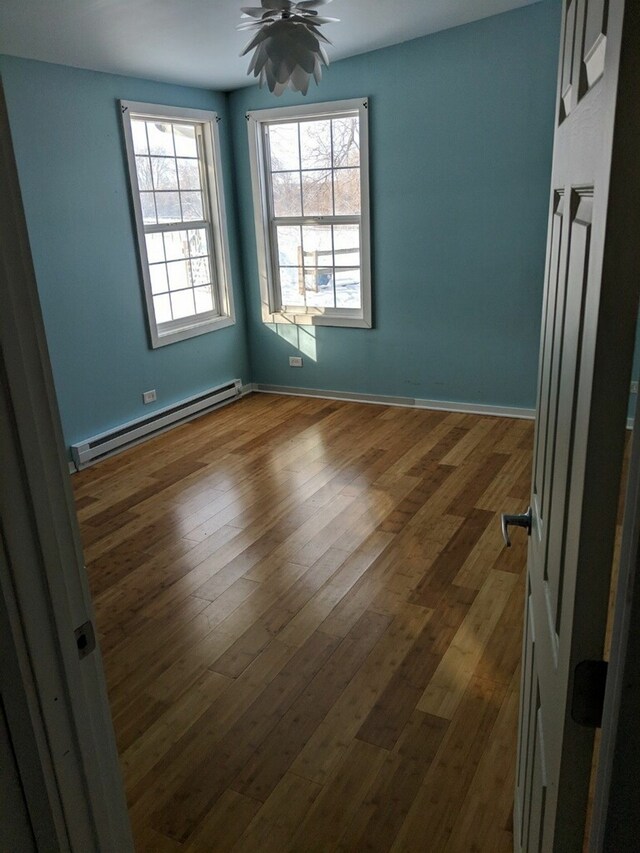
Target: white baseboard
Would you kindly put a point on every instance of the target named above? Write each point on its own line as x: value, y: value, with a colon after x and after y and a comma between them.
x: 135, y: 432
x: 408, y: 402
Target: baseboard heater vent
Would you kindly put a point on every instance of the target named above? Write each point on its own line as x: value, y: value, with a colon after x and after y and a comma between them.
x: 93, y: 449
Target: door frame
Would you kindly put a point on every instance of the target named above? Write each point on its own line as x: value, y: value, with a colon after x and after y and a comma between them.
x: 616, y: 806
x: 57, y: 707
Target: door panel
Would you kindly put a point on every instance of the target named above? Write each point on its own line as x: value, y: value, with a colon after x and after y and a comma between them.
x: 538, y: 787
x: 528, y: 713
x: 595, y: 42
x: 553, y: 318
x: 568, y: 49
x: 587, y: 337
x: 574, y: 290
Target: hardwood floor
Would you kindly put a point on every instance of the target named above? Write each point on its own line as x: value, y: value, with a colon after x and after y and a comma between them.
x: 311, y: 629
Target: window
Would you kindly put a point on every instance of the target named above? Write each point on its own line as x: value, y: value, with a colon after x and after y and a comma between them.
x: 174, y: 169
x: 309, y: 169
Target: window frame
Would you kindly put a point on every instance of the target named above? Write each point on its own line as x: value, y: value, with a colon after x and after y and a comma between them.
x: 215, y: 222
x: 272, y: 311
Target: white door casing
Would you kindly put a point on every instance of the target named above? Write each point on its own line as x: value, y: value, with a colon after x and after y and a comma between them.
x: 590, y: 304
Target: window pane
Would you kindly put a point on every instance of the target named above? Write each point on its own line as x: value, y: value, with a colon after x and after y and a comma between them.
x: 185, y: 140
x: 316, y: 242
x: 346, y: 244
x: 317, y: 195
x: 348, y: 292
x: 158, y: 275
x: 148, y: 209
x: 164, y: 173
x: 200, y: 273
x: 346, y: 141
x: 346, y: 191
x: 283, y: 145
x: 290, y: 287
x: 162, y: 308
x: 318, y: 285
x: 286, y: 194
x: 179, y: 232
x: 192, y: 206
x: 315, y: 144
x: 155, y: 248
x: 168, y: 205
x: 189, y: 174
x: 160, y: 137
x: 289, y: 245
x: 178, y: 275
x: 182, y: 304
x: 144, y: 173
x: 197, y: 242
x: 139, y: 135
x: 204, y: 299
x: 176, y: 245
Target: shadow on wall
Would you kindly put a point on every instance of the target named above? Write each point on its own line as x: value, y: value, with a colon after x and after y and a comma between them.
x: 301, y: 338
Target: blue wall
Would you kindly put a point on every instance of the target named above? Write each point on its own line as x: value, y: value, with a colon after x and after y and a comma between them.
x: 68, y: 141
x: 461, y: 128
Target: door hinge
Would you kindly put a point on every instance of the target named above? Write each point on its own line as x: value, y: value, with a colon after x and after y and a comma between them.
x: 589, y: 682
x: 85, y: 639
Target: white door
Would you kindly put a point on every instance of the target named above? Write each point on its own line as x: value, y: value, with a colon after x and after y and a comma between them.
x: 53, y: 695
x: 590, y: 303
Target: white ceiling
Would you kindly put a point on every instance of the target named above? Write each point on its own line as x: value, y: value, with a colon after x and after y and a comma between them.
x: 195, y: 42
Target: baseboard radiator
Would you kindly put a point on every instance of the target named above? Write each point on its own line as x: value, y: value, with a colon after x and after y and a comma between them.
x: 92, y: 449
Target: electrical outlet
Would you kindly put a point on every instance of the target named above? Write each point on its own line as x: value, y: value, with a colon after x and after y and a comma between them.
x: 149, y: 396
x: 295, y: 361
x: 634, y: 387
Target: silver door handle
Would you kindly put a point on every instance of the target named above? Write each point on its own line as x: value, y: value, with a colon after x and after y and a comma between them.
x: 523, y: 520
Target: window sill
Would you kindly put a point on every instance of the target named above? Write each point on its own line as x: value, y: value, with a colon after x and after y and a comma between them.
x: 355, y: 320
x: 172, y: 336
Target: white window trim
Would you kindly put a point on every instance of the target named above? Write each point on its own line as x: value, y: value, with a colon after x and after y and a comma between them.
x: 188, y: 327
x: 256, y: 119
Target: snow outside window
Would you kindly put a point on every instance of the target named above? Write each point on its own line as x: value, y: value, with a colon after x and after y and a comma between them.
x: 311, y: 197
x: 174, y: 170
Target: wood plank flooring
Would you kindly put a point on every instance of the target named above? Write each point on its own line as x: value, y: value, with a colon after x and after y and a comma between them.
x: 310, y: 627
